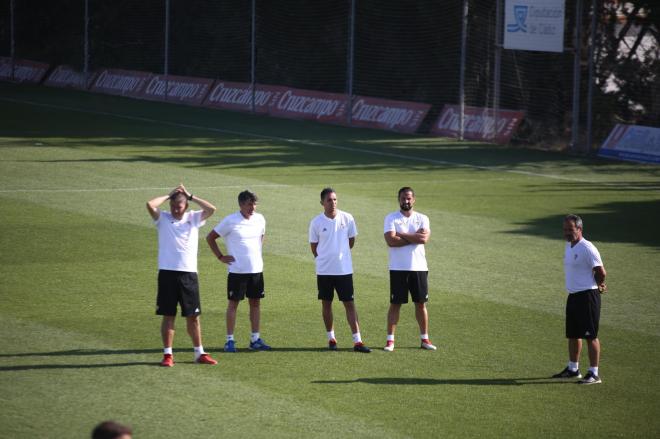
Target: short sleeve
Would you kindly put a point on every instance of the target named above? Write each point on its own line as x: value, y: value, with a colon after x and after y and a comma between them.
x: 594, y: 256
x: 426, y: 224
x: 223, y: 228
x: 313, y: 234
x: 352, y: 227
x: 196, y: 218
x: 389, y: 224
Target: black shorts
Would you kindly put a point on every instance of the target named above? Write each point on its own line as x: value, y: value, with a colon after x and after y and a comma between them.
x: 415, y: 282
x: 327, y: 284
x: 242, y: 285
x: 583, y: 314
x: 178, y: 287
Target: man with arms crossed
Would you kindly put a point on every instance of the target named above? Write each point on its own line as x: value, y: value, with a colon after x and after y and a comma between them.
x: 585, y: 282
x: 243, y: 232
x: 406, y: 232
x: 331, y: 237
x: 178, y: 232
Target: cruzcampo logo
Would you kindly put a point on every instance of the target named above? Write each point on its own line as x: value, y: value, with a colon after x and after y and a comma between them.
x: 520, y: 15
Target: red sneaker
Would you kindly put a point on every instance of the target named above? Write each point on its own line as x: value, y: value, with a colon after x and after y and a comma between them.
x: 206, y: 359
x: 168, y: 360
x: 389, y: 346
x: 332, y: 344
x: 426, y: 344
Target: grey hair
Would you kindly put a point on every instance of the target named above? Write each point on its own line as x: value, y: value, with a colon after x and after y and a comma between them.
x: 575, y: 219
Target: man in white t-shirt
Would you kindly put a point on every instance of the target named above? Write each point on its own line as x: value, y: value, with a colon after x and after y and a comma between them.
x: 406, y: 232
x: 331, y: 237
x: 243, y: 233
x: 178, y: 232
x: 585, y: 282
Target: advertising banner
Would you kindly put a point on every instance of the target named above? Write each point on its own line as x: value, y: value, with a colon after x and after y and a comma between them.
x: 121, y: 82
x: 66, y: 76
x: 179, y: 89
x: 633, y: 143
x: 24, y: 70
x: 387, y: 114
x: 294, y: 103
x: 478, y: 123
x: 238, y: 96
x: 534, y: 25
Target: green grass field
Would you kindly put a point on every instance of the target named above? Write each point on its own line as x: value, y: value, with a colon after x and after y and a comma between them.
x: 80, y: 342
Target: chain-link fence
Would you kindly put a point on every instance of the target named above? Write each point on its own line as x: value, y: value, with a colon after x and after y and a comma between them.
x: 426, y: 51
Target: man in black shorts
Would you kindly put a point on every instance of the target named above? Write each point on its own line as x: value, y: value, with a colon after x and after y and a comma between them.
x: 585, y: 282
x: 178, y: 232
x: 243, y: 233
x: 406, y: 232
x: 331, y: 237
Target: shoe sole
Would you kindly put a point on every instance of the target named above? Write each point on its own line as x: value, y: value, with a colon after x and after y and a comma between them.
x: 584, y: 383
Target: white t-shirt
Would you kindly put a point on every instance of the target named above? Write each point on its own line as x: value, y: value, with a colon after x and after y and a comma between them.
x: 332, y: 234
x: 177, y: 241
x: 243, y: 238
x: 411, y: 257
x: 579, y: 262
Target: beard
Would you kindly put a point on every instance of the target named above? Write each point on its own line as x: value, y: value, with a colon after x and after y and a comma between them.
x: 406, y: 207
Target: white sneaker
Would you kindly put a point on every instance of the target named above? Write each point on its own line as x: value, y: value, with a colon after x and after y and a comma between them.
x: 426, y: 344
x: 389, y: 347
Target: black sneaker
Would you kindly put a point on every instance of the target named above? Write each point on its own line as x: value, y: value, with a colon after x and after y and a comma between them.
x: 590, y: 378
x: 567, y: 373
x: 332, y: 344
x: 360, y: 347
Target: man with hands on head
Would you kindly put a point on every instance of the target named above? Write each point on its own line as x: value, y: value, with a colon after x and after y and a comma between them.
x: 178, y: 284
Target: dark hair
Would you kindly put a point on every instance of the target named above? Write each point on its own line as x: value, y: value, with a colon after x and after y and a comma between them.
x: 247, y: 196
x: 575, y: 219
x: 176, y: 196
x: 405, y: 189
x: 326, y: 191
x: 110, y: 430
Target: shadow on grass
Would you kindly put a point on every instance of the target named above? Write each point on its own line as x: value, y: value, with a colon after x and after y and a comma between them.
x: 456, y: 382
x: 634, y: 222
x: 76, y: 366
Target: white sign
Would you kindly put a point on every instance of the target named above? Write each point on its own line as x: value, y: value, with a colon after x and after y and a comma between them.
x: 632, y: 142
x: 534, y: 25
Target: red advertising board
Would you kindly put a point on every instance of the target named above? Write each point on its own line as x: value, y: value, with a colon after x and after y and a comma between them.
x: 387, y: 114
x: 121, y: 82
x: 180, y: 89
x: 479, y: 123
x: 66, y: 76
x: 295, y: 103
x: 238, y: 96
x: 24, y: 70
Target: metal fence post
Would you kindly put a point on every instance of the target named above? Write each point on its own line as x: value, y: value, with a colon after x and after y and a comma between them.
x: 575, y: 135
x: 351, y: 54
x: 166, y: 62
x: 253, y: 56
x: 86, y: 45
x: 590, y: 91
x: 12, y: 45
x: 461, y: 81
x: 497, y: 74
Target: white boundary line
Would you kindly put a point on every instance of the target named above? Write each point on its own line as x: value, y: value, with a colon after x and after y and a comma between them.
x: 312, y: 143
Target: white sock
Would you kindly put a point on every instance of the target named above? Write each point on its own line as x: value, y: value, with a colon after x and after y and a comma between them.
x: 594, y: 370
x: 572, y: 366
x: 357, y: 338
x: 390, y: 337
x: 230, y: 337
x: 254, y: 337
x: 424, y: 336
x: 199, y: 351
x: 167, y: 350
x: 331, y: 335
